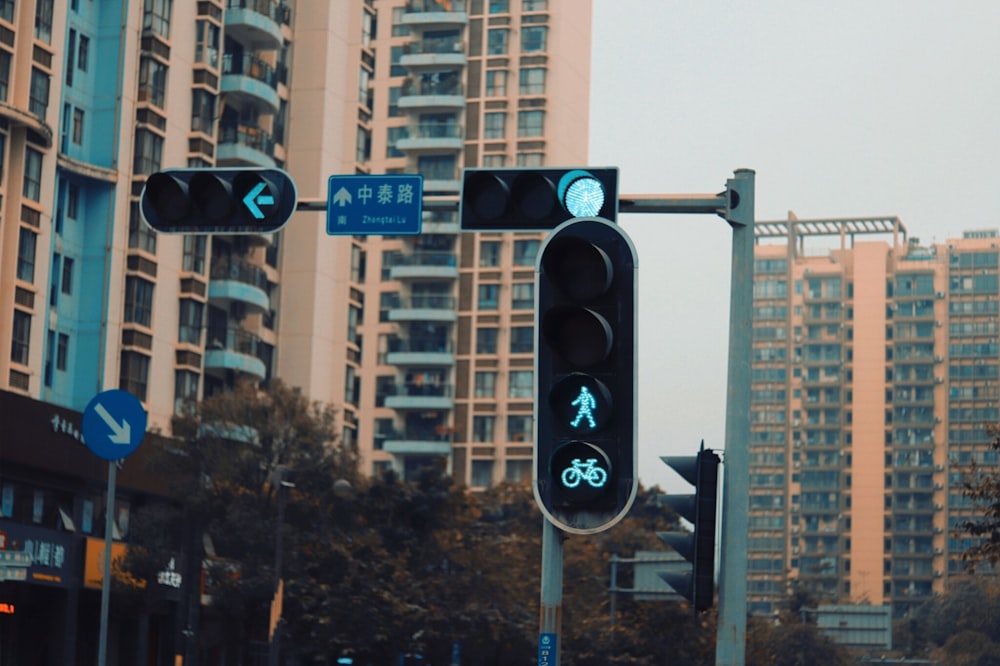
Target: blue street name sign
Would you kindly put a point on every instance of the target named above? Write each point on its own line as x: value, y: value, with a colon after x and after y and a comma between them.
x: 114, y: 424
x: 384, y: 205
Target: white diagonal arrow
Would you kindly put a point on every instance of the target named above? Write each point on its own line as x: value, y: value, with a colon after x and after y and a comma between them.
x: 122, y: 434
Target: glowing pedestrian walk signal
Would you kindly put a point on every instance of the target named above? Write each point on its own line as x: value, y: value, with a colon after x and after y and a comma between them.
x: 585, y: 465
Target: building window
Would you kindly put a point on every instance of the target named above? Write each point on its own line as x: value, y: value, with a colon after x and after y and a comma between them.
x: 185, y: 390
x: 353, y: 318
x: 134, y: 374
x: 525, y: 252
x: 522, y: 339
x: 393, y: 136
x: 530, y: 159
x: 140, y: 236
x: 488, y: 295
x: 522, y: 296
x: 138, y: 301
x: 522, y: 384
x: 496, y: 83
x: 482, y: 473
x: 202, y: 112
x: 76, y: 134
x: 533, y: 38
x: 156, y: 17
x: 26, y: 243
x: 83, y: 54
x: 494, y: 160
x: 398, y: 28
x: 486, y: 341
x: 482, y: 428
x: 62, y: 352
x: 148, y: 152
x: 531, y: 81
x: 20, y: 338
x: 436, y: 167
x: 38, y: 97
x: 206, y: 48
x: 499, y: 6
x: 530, y: 123
x: 4, y: 74
x: 32, y: 186
x: 43, y: 21
x: 67, y: 275
x: 70, y: 57
x: 489, y: 254
x: 519, y: 428
x: 190, y: 321
x: 194, y: 253
x: 493, y: 125
x: 7, y: 14
x: 496, y: 41
x: 152, y: 82
x: 486, y: 383
x: 72, y: 200
x: 534, y: 5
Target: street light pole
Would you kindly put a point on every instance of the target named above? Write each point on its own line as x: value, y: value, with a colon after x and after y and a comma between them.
x: 276, y: 601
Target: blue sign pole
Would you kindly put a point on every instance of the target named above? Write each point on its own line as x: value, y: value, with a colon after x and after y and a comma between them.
x: 114, y: 423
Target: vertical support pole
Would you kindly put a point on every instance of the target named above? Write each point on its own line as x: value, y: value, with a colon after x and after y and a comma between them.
x: 731, y: 638
x: 109, y: 521
x: 550, y: 624
x: 614, y: 586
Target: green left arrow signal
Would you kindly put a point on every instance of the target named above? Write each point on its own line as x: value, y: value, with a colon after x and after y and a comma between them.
x: 254, y: 200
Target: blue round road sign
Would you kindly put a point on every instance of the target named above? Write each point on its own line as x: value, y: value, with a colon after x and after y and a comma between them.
x: 114, y: 424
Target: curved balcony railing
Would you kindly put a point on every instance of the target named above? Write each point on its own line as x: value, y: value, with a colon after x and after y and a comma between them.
x: 252, y: 137
x: 250, y: 66
x: 239, y: 271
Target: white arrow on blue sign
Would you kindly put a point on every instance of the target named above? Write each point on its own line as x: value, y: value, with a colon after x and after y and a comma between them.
x: 381, y: 205
x: 114, y: 424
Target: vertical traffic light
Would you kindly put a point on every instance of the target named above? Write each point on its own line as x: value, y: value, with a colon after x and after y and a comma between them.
x: 232, y: 201
x: 535, y: 199
x: 585, y: 406
x: 702, y: 471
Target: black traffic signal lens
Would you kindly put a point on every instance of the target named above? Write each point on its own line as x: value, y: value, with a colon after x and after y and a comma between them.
x: 212, y: 196
x: 535, y: 195
x: 169, y: 196
x: 486, y: 195
x: 580, y: 336
x: 581, y: 403
x: 581, y: 269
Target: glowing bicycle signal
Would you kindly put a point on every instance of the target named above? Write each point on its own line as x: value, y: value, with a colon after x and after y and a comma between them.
x: 580, y: 471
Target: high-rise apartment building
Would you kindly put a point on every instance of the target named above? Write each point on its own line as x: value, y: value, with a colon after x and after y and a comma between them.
x: 424, y: 343
x: 875, y: 369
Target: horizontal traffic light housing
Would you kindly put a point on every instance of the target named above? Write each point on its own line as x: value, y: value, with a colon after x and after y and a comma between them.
x: 229, y: 201
x: 525, y: 199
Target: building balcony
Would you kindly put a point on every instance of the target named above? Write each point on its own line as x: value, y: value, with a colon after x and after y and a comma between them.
x: 441, y: 184
x: 435, y: 15
x: 420, y: 352
x: 256, y: 23
x: 434, y: 54
x: 250, y: 80
x: 440, y: 223
x: 432, y: 137
x: 420, y: 396
x: 416, y: 444
x: 245, y: 145
x: 425, y: 308
x: 234, y: 350
x: 425, y: 265
x: 238, y: 281
x: 428, y: 97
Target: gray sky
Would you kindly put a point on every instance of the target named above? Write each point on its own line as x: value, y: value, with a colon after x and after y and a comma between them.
x: 846, y: 108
